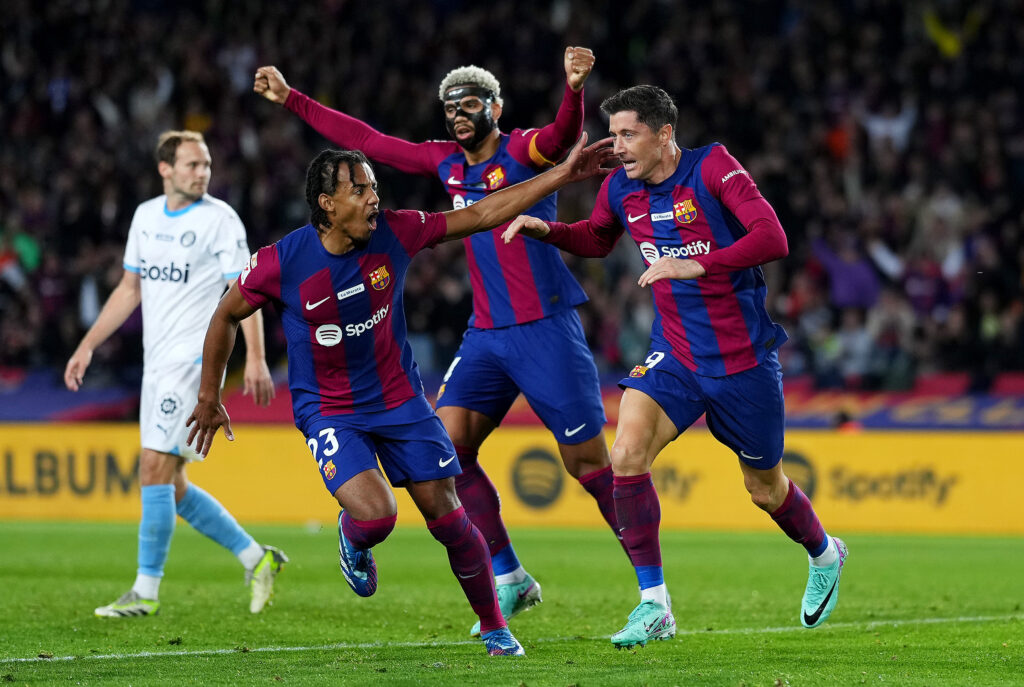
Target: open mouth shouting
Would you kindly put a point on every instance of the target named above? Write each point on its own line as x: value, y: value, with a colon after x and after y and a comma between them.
x: 630, y: 164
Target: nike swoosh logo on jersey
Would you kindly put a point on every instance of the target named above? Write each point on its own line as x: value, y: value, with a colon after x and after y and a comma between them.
x: 443, y: 463
x: 310, y: 306
x: 750, y: 457
x: 570, y: 432
x: 813, y: 618
x: 452, y: 181
x: 631, y: 218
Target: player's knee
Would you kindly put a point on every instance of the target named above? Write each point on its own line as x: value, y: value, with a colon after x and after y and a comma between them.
x: 630, y: 458
x: 761, y: 493
x: 157, y: 468
x: 583, y: 459
x: 761, y: 496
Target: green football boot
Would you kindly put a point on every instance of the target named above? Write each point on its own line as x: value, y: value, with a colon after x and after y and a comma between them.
x: 650, y: 620
x: 129, y: 605
x: 513, y: 599
x: 822, y: 591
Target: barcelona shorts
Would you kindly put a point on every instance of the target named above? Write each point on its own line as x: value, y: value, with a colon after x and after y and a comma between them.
x: 745, y: 411
x: 548, y: 360
x: 409, y: 441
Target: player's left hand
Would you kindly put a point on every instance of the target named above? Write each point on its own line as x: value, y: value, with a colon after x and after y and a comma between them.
x: 671, y: 268
x: 578, y: 63
x: 585, y: 161
x: 204, y: 421
x: 258, y: 382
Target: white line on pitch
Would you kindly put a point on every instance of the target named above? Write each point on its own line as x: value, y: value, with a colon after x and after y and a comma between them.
x: 384, y: 645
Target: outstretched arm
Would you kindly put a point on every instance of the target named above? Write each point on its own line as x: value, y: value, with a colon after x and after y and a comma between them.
x: 122, y: 302
x: 502, y: 206
x: 349, y: 132
x: 545, y: 147
x: 590, y: 238
x: 209, y: 413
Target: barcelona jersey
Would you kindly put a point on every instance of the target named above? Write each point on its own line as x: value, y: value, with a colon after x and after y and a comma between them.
x: 343, y: 315
x: 517, y: 282
x: 717, y: 325
x: 523, y: 281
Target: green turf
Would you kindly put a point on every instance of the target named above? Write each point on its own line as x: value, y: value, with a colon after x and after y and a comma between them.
x: 913, y: 611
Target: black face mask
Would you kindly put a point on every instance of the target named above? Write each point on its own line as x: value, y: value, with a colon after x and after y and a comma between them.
x: 482, y: 121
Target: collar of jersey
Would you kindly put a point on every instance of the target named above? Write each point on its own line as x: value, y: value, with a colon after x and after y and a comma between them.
x: 179, y: 213
x: 314, y: 237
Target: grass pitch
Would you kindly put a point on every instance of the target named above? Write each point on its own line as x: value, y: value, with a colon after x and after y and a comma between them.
x: 913, y: 611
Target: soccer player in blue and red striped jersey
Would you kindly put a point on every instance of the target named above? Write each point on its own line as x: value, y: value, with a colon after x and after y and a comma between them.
x: 356, y: 390
x: 524, y: 334
x: 704, y: 230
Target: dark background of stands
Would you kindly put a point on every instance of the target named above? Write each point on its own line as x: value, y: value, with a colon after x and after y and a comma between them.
x: 889, y: 137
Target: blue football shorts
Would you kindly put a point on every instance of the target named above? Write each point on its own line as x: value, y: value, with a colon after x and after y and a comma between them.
x: 409, y: 441
x: 548, y: 360
x: 745, y: 411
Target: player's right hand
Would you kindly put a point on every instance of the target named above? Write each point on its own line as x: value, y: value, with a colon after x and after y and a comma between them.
x: 271, y: 85
x: 578, y: 63
x: 74, y: 372
x: 527, y: 226
x: 204, y: 421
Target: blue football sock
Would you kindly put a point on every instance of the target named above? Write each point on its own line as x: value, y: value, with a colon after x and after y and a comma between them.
x: 205, y: 513
x: 650, y: 576
x: 505, y: 561
x: 156, y: 528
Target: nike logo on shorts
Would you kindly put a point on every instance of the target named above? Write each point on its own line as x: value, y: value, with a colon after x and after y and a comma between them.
x: 310, y: 306
x: 443, y: 463
x: 571, y: 432
x: 750, y: 457
x: 631, y: 218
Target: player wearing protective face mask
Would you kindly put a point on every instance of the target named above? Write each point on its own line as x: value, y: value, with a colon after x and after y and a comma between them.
x: 525, y: 335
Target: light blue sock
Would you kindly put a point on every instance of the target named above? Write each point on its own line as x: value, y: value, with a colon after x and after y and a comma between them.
x: 205, y: 513
x: 156, y: 528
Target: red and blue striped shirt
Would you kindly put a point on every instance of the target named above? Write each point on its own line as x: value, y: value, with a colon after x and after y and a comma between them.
x: 708, y: 210
x: 343, y: 315
x: 512, y: 284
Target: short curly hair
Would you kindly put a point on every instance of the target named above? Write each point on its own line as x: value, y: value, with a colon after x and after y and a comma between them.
x: 322, y: 177
x: 472, y: 76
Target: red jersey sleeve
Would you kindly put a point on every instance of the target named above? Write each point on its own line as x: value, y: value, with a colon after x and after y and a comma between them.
x: 416, y: 229
x: 765, y: 239
x: 353, y: 134
x: 260, y: 281
x: 545, y: 147
x: 589, y: 238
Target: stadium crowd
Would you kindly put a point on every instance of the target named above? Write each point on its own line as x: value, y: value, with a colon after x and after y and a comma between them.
x: 888, y: 135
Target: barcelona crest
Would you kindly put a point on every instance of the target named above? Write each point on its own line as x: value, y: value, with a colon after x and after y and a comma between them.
x: 495, y: 178
x: 685, y: 211
x: 379, y: 278
x: 638, y: 371
x: 329, y: 470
